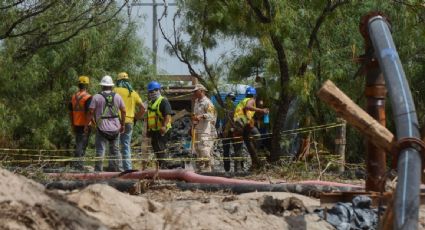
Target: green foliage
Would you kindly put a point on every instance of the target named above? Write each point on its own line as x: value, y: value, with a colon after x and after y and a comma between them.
x: 303, y: 86
x: 36, y: 90
x: 321, y: 35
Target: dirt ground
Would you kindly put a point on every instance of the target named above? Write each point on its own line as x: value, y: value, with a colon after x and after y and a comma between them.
x: 25, y: 204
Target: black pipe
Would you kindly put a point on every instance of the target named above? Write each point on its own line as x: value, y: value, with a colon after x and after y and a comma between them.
x: 304, y: 189
x: 120, y: 185
x: 127, y: 185
x: 409, y: 161
x: 225, y: 174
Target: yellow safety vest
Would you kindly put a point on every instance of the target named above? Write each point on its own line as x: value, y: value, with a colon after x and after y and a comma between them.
x: 246, y: 116
x: 155, y: 117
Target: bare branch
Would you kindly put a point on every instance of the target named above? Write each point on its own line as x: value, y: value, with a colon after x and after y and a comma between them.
x: 327, y: 10
x: 177, y: 48
x: 43, y: 41
x: 23, y: 18
x: 263, y: 18
x: 11, y: 5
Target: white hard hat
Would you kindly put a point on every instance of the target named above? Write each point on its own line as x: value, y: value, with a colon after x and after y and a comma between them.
x: 107, y: 81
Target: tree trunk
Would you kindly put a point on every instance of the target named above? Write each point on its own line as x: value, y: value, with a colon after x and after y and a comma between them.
x: 285, y: 99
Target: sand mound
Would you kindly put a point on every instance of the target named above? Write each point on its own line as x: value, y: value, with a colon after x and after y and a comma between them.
x: 25, y: 204
x: 118, y: 210
x: 193, y: 210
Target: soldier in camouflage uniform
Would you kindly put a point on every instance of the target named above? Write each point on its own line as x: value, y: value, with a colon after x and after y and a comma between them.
x: 204, y: 117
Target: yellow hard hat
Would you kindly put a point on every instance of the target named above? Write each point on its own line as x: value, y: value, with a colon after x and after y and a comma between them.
x: 83, y: 80
x: 122, y: 75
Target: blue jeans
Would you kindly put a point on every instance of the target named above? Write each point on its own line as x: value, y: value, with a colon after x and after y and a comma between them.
x: 125, y: 141
x: 114, y: 153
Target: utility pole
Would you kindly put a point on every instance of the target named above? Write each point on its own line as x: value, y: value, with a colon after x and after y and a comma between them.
x: 154, y: 35
x: 154, y: 5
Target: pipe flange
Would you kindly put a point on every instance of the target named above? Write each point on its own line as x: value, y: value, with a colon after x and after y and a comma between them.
x: 364, y: 25
x: 408, y: 142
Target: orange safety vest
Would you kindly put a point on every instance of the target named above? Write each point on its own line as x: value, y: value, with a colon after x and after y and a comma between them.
x: 79, y: 113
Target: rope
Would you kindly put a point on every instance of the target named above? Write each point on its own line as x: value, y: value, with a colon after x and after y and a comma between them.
x: 61, y: 158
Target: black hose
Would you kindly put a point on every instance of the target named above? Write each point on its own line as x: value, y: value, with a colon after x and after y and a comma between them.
x: 304, y: 189
x: 227, y: 175
x: 120, y: 185
x: 128, y: 185
x: 409, y: 160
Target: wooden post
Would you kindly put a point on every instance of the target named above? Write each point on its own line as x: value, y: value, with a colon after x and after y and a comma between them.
x: 356, y: 116
x: 340, y: 143
x: 144, y: 156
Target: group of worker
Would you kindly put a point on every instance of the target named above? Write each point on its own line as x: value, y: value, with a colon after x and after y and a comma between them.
x: 114, y: 111
x: 240, y: 125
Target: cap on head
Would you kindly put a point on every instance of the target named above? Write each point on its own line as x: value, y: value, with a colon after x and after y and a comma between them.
x: 153, y: 85
x: 251, y: 91
x: 231, y: 95
x: 107, y: 81
x: 83, y: 80
x: 122, y: 75
x: 200, y: 87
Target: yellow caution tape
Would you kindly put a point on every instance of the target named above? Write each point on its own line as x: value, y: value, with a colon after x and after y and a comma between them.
x: 7, y: 151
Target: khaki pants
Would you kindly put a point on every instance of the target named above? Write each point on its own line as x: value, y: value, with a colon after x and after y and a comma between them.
x: 203, y: 146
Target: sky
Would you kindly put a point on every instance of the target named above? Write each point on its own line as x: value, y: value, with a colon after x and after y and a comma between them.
x: 166, y: 63
x: 143, y: 16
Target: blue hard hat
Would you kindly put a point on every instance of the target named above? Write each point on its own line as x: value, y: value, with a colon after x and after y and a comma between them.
x: 153, y: 85
x: 251, y: 90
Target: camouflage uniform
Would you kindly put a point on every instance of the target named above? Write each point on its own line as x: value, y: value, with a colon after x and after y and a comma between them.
x: 205, y: 132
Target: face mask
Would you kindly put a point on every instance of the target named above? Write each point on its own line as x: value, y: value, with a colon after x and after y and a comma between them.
x: 153, y: 95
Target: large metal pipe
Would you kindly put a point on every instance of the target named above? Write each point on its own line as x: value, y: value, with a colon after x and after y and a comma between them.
x: 375, y: 93
x: 409, y: 160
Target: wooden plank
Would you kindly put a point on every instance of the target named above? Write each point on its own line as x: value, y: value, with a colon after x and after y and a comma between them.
x: 190, y: 78
x: 329, y: 199
x: 356, y: 116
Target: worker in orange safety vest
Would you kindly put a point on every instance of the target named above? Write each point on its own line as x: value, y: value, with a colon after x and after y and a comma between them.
x: 78, y: 109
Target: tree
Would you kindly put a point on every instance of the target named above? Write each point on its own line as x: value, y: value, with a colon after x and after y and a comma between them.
x: 263, y: 22
x: 35, y: 90
x: 194, y: 51
x: 46, y: 23
x: 297, y: 45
